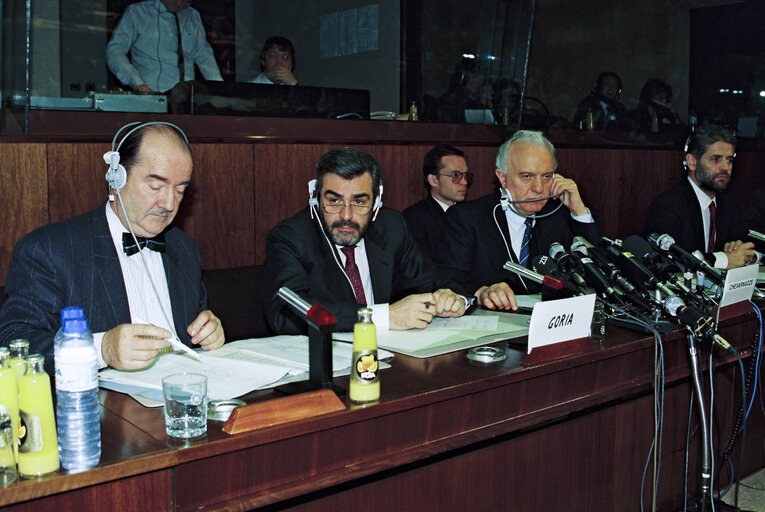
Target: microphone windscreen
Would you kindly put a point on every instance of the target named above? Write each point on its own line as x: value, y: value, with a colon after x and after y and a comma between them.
x: 637, y: 246
x: 543, y: 264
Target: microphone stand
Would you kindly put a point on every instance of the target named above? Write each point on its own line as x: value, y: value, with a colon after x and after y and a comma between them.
x: 706, y: 502
x: 321, y: 322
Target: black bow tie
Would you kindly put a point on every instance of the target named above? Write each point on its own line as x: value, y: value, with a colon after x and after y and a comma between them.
x: 155, y: 244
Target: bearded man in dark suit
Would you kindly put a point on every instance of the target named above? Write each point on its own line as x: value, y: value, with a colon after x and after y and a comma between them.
x: 345, y: 251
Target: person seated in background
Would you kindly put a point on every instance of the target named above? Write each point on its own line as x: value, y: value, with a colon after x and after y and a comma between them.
x: 469, y: 89
x: 608, y: 113
x: 345, y: 252
x: 447, y: 179
x: 519, y: 222
x: 696, y: 212
x: 277, y: 62
x: 152, y: 32
x: 654, y: 111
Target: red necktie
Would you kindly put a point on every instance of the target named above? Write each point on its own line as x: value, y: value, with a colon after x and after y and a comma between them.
x: 712, y: 226
x: 353, y: 274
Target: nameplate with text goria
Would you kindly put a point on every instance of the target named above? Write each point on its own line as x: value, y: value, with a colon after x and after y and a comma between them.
x: 554, y: 321
x: 739, y: 284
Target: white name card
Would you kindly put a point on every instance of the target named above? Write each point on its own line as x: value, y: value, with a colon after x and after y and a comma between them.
x: 739, y: 284
x: 554, y: 321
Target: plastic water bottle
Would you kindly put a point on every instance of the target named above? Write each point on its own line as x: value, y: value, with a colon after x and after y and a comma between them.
x: 70, y: 313
x: 77, y: 409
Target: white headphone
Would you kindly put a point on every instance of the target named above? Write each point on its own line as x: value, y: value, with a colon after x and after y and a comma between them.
x: 313, y: 201
x: 116, y: 175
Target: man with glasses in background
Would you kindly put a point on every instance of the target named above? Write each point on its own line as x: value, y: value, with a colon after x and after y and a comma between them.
x: 447, y: 178
x: 345, y: 252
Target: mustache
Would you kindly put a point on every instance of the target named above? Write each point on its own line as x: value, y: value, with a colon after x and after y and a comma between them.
x: 345, y: 224
x: 160, y: 211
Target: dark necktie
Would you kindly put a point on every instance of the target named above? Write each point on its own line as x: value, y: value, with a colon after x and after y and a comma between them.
x: 155, y: 244
x: 352, y: 271
x: 181, y: 70
x: 523, y: 258
x: 712, y: 227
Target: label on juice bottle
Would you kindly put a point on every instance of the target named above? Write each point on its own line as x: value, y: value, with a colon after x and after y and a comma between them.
x: 365, y: 367
x: 30, y: 433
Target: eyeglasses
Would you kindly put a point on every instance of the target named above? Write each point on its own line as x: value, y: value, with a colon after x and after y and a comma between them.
x: 457, y: 176
x: 339, y: 206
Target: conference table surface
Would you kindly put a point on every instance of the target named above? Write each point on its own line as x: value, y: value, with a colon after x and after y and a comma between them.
x: 447, y: 434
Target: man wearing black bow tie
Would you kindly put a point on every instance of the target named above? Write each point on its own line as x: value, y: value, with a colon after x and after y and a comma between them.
x: 134, y: 300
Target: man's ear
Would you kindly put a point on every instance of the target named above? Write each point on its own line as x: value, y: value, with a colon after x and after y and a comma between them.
x: 501, y: 177
x: 691, y: 161
x: 433, y: 180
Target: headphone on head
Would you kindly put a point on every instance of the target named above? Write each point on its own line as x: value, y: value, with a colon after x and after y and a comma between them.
x: 116, y: 175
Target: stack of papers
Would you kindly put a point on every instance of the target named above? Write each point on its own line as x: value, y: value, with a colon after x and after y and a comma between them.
x: 233, y: 370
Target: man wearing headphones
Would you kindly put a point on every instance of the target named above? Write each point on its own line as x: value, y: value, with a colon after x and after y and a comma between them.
x: 344, y: 252
x: 604, y: 105
x: 136, y: 292
x: 447, y: 179
x: 518, y: 223
x: 696, y: 212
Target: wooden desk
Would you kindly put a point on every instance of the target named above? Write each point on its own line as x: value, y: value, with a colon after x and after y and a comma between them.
x: 571, y: 434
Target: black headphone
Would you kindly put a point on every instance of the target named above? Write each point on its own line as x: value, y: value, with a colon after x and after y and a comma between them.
x: 116, y: 175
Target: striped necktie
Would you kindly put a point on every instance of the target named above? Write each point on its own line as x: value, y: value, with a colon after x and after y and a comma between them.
x: 524, y: 256
x: 352, y: 271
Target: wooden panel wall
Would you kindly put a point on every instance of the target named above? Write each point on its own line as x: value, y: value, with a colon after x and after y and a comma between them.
x: 241, y: 190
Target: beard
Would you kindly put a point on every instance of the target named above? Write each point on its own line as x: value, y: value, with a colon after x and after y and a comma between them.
x: 707, y: 179
x: 340, y: 238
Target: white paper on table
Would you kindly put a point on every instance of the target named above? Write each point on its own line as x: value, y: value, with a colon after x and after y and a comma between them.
x: 226, y: 378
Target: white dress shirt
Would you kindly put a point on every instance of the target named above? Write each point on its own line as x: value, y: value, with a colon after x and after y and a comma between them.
x: 721, y: 259
x: 261, y: 79
x: 145, y: 307
x: 149, y: 32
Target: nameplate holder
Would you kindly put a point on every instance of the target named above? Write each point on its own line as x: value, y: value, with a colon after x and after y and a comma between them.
x: 560, y: 328
x: 737, y: 291
x: 282, y: 410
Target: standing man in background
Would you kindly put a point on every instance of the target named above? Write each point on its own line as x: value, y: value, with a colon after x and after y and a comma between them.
x: 447, y: 178
x: 163, y: 37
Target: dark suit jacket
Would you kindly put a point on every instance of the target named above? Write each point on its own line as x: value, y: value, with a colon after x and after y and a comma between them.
x: 298, y: 256
x: 754, y: 216
x: 473, y: 252
x: 676, y: 212
x: 425, y: 220
x: 74, y: 263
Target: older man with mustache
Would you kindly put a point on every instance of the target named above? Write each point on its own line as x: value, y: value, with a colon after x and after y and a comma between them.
x: 136, y: 277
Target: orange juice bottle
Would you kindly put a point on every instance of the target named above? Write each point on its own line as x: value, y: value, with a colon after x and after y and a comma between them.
x: 9, y: 396
x: 38, y: 447
x: 19, y: 353
x: 365, y: 378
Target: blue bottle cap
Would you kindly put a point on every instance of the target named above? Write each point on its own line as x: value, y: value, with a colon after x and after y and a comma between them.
x: 71, y: 313
x: 75, y: 326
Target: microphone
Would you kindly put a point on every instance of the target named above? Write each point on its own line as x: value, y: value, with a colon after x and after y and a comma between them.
x: 662, y: 266
x: 548, y: 281
x: 566, y: 264
x: 703, y: 326
x: 667, y: 244
x: 315, y: 314
x: 592, y: 274
x: 545, y: 265
x: 629, y: 265
x: 608, y: 268
x: 756, y: 235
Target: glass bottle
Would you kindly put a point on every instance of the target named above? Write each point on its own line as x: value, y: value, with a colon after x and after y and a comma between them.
x: 38, y: 448
x: 365, y: 377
